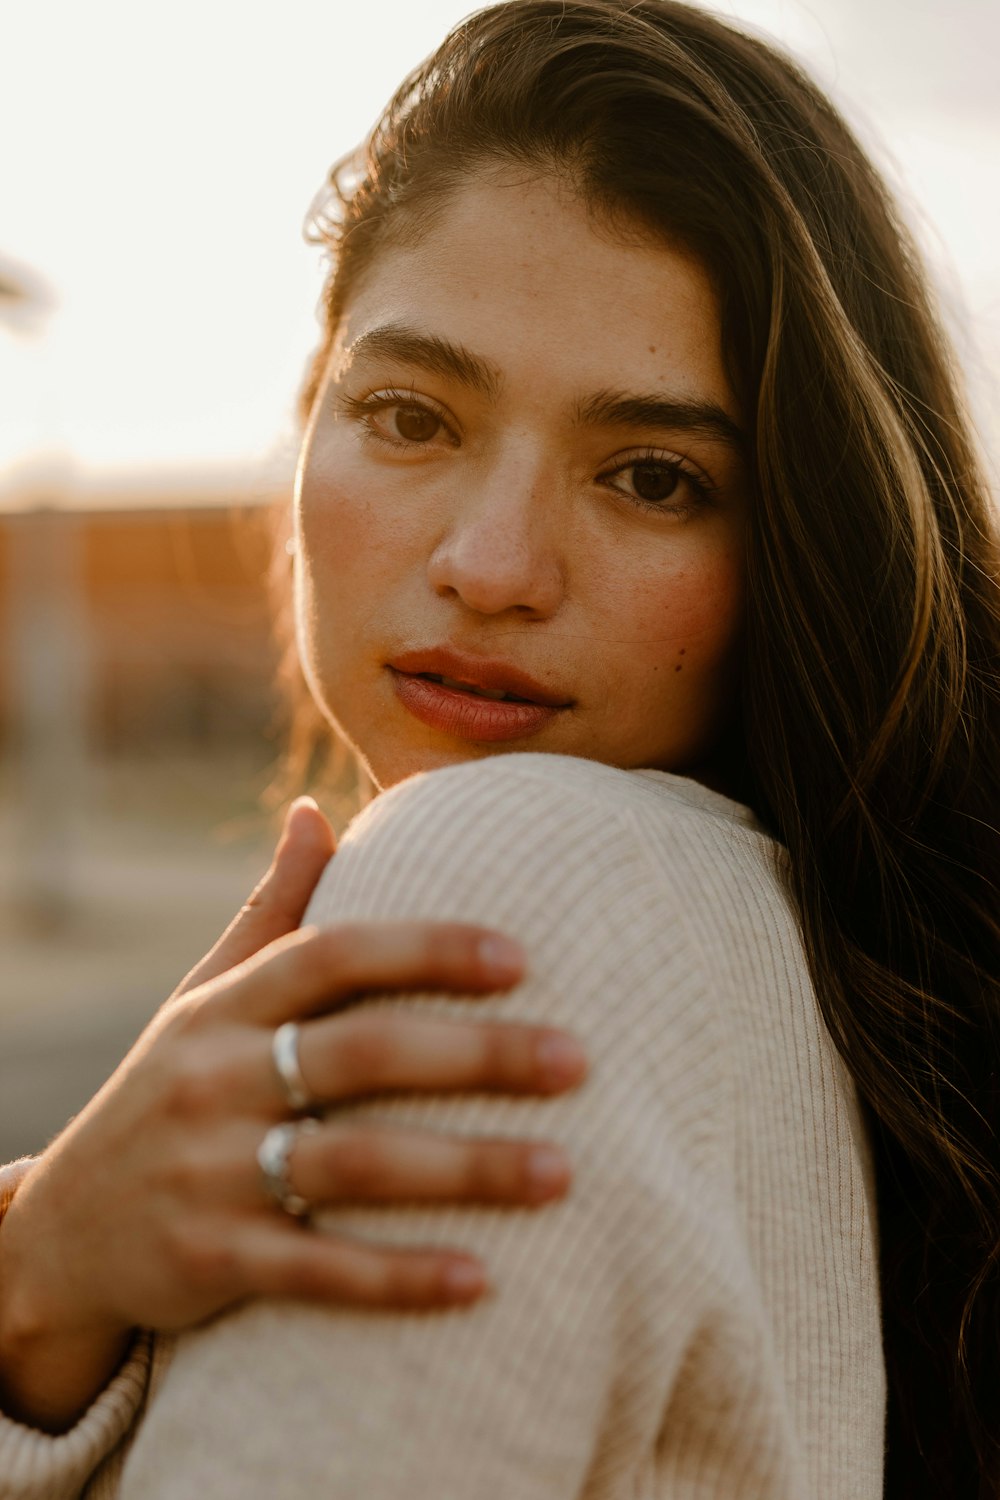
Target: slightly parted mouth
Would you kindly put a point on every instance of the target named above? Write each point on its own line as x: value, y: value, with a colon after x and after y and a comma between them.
x: 489, y: 678
x: 470, y: 687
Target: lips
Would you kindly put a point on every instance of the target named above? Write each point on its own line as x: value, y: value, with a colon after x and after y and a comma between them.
x: 471, y: 698
x: 484, y: 676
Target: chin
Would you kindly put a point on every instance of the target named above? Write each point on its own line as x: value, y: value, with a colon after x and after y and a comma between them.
x: 387, y: 771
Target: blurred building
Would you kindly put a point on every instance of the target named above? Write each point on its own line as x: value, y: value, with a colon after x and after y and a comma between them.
x: 135, y: 639
x: 149, y: 610
x: 138, y: 731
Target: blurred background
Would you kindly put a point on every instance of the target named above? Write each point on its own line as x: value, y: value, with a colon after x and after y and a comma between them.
x: 156, y: 311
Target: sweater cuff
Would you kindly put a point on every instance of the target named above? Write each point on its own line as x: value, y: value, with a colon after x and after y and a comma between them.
x: 38, y: 1466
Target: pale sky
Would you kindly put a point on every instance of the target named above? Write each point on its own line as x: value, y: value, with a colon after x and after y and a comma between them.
x: 157, y: 163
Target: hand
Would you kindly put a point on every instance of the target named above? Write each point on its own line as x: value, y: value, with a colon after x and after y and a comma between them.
x: 148, y: 1211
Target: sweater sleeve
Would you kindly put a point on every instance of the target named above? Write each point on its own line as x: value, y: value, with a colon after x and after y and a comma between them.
x: 556, y: 1384
x: 39, y: 1466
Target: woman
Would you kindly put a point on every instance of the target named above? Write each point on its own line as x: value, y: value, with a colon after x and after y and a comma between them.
x: 633, y: 441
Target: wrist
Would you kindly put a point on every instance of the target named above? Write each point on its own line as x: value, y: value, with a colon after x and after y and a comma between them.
x: 51, y: 1367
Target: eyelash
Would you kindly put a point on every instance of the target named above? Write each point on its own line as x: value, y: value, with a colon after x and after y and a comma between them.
x: 365, y: 408
x: 700, y: 487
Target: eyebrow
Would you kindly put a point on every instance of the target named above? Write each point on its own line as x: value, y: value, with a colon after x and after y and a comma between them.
x: 604, y: 409
x: 702, y: 418
x: 428, y: 352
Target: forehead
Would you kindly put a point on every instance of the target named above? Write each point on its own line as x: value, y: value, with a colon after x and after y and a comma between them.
x: 520, y: 272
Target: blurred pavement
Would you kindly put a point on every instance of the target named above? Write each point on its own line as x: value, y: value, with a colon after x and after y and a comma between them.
x: 157, y: 858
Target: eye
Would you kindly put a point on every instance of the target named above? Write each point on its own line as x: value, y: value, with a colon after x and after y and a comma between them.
x: 397, y: 419
x: 655, y: 482
x: 415, y: 424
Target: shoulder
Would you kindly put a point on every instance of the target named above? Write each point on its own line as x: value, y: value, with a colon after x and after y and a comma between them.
x: 511, y: 782
x: 600, y: 873
x: 501, y: 831
x: 489, y: 819
x: 542, y: 792
x: 552, y: 851
x: 522, y: 814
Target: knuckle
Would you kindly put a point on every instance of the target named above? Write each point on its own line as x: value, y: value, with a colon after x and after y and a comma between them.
x: 298, y: 960
x: 192, y: 1089
x: 342, y: 1273
x: 428, y: 947
x: 403, y: 1280
x: 185, y: 1013
x: 180, y: 1178
x: 493, y: 1170
x: 355, y: 1163
x: 453, y: 945
x: 365, y: 1049
x: 499, y: 1053
x: 475, y: 1171
x: 314, y: 1279
x: 201, y: 1259
x: 335, y: 945
x: 374, y: 1277
x: 258, y: 896
x: 500, y: 1170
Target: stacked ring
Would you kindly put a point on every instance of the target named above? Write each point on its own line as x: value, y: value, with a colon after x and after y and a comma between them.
x: 285, y: 1055
x: 273, y: 1156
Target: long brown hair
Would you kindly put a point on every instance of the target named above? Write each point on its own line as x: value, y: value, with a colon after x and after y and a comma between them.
x: 870, y: 731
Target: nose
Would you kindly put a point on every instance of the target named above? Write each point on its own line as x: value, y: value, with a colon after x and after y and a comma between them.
x: 500, y: 549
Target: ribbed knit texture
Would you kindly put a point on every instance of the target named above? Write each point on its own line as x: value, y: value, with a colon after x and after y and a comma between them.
x: 699, y: 1318
x: 34, y: 1466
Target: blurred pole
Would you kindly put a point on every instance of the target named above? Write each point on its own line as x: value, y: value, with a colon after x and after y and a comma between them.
x: 47, y: 630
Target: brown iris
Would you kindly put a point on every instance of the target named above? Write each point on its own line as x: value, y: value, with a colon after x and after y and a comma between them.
x: 654, y: 481
x: 415, y: 424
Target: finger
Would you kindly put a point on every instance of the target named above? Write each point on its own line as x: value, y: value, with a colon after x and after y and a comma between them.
x: 279, y: 1261
x: 372, y: 1051
x: 278, y: 903
x: 317, y: 970
x: 343, y: 1163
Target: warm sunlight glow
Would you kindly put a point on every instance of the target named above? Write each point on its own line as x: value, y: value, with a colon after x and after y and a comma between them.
x: 159, y: 161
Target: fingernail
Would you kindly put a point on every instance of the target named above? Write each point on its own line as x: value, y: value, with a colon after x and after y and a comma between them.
x: 464, y: 1279
x: 303, y: 801
x: 501, y: 956
x: 548, y: 1171
x: 561, y: 1059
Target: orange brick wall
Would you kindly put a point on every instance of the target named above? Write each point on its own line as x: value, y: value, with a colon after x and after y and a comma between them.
x: 175, y: 611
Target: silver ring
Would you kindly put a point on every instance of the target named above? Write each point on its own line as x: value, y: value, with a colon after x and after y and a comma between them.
x: 285, y: 1055
x: 273, y: 1156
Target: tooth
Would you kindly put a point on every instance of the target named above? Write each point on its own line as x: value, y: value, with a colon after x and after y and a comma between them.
x: 467, y: 687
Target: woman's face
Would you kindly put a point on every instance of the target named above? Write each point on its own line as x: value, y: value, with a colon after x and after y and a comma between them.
x: 524, y: 474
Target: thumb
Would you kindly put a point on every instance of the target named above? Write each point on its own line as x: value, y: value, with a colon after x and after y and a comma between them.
x: 278, y: 903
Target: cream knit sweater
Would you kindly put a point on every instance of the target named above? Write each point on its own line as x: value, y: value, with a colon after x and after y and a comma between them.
x: 699, y: 1318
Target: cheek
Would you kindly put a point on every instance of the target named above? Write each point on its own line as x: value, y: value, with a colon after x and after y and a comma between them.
x: 355, y: 520
x: 689, y: 619
x: 337, y: 553
x: 335, y: 523
x: 349, y: 562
